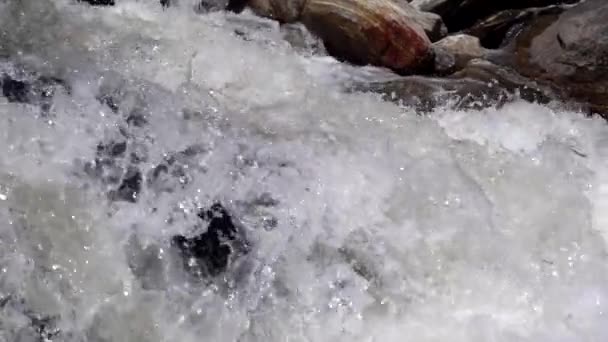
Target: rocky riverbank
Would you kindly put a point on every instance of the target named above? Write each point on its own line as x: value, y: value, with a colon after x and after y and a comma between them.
x: 473, y: 52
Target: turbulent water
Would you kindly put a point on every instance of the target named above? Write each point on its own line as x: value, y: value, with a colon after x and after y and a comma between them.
x: 353, y: 219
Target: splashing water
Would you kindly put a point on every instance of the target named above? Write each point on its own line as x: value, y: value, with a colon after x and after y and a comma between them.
x: 349, y: 218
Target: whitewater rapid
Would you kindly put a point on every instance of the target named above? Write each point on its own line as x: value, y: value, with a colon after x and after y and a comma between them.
x: 360, y: 220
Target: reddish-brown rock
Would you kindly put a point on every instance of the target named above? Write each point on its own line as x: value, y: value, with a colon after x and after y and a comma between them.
x: 366, y: 32
x: 375, y: 32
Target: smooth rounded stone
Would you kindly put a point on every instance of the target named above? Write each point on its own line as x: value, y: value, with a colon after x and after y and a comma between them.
x: 463, y: 47
x: 481, y: 84
x: 370, y: 32
x: 572, y: 54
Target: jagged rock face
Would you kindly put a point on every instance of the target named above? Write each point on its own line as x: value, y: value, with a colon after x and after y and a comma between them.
x: 576, y: 46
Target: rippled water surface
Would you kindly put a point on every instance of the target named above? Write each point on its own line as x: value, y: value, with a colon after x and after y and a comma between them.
x: 350, y: 218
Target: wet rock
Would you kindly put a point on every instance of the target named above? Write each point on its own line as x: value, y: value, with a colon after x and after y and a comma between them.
x: 174, y: 171
x: 38, y: 91
x: 206, y: 6
x: 370, y: 33
x: 445, y: 62
x: 499, y: 29
x: 112, y: 149
x: 431, y: 23
x: 421, y: 93
x: 129, y: 188
x: 15, y: 91
x: 99, y: 2
x: 481, y: 84
x: 209, y: 254
x: 284, y: 11
x: 501, y: 84
x: 461, y: 14
x: 463, y: 47
x: 571, y: 54
x: 236, y: 5
x: 379, y: 32
x: 45, y: 327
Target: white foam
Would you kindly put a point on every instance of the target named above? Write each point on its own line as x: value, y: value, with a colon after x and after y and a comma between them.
x: 458, y: 226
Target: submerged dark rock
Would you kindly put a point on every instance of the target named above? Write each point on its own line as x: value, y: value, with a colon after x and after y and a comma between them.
x: 236, y: 5
x: 174, y: 172
x: 479, y: 85
x: 99, y: 2
x: 130, y: 186
x: 36, y: 91
x: 209, y: 254
x: 15, y: 91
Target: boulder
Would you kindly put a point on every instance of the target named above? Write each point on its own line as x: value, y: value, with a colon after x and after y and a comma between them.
x: 571, y: 53
x: 364, y: 32
x: 370, y: 32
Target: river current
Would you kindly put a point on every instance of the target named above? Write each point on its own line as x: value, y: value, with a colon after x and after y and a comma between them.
x: 355, y: 219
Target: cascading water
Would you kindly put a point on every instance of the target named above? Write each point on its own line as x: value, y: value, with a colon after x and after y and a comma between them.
x: 171, y: 176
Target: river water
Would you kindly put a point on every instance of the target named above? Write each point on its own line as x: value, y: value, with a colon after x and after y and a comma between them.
x: 356, y: 219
